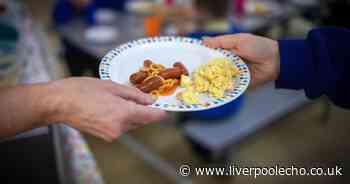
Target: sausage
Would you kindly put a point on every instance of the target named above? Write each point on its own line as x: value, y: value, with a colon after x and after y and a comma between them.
x: 150, y: 84
x: 183, y: 68
x: 171, y: 73
x: 147, y: 63
x: 138, y: 77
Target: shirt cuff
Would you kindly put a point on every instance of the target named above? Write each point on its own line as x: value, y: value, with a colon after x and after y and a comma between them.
x: 295, y: 65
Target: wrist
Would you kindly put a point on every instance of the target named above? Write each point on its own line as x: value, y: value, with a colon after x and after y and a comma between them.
x: 52, y: 104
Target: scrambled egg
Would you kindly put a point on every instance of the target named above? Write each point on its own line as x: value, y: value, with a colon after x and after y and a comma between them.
x: 213, y: 78
x: 186, y: 81
x: 189, y: 97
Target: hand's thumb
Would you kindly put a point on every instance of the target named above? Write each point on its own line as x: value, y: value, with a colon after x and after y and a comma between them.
x: 133, y: 94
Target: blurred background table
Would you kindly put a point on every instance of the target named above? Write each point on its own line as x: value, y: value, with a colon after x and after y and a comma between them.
x: 128, y: 27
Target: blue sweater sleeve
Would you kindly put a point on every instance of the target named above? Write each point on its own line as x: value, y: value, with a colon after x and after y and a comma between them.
x: 319, y: 64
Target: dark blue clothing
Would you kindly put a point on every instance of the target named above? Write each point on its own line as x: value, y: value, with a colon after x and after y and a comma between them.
x: 64, y: 11
x: 319, y: 64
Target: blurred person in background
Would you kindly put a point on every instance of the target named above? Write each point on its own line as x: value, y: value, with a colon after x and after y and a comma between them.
x: 101, y: 108
x: 213, y: 18
x: 86, y: 11
x: 67, y: 10
x: 319, y: 64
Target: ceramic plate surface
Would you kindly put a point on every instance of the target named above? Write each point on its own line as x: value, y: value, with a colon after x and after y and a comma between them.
x: 128, y: 58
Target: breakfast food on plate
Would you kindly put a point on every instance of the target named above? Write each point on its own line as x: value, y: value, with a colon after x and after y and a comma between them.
x: 189, y: 96
x: 186, y: 81
x: 158, y: 80
x: 213, y: 79
x: 171, y: 73
x: 138, y: 77
x: 150, y: 84
x: 182, y: 67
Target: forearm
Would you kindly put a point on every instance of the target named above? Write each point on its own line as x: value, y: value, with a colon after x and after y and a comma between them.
x: 319, y: 65
x: 24, y: 107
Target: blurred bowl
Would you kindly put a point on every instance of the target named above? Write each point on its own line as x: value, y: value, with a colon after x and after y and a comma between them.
x: 139, y: 7
x: 101, y: 34
x: 225, y: 111
x: 105, y: 16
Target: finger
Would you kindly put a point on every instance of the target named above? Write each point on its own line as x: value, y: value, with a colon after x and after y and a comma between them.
x: 133, y: 94
x: 145, y: 114
x: 132, y: 126
x: 99, y: 134
x: 225, y: 41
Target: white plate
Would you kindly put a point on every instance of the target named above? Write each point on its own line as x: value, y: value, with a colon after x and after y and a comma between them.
x: 126, y: 59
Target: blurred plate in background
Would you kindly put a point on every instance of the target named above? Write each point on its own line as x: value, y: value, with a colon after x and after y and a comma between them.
x: 101, y: 34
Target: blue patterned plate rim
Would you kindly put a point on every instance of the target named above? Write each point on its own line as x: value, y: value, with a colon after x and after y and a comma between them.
x: 240, y: 88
